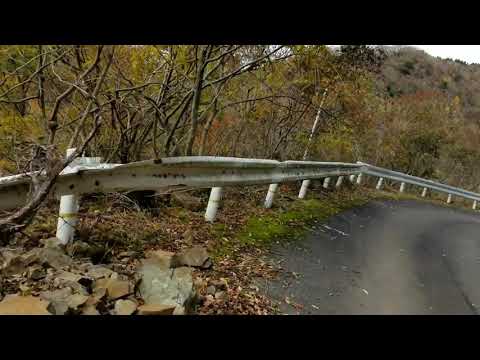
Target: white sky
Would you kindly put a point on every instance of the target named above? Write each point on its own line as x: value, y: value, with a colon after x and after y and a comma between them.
x: 467, y: 53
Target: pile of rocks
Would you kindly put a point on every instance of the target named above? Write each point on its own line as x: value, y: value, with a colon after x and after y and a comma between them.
x: 51, y: 282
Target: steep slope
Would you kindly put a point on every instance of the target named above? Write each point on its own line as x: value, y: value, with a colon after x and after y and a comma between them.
x: 408, y: 70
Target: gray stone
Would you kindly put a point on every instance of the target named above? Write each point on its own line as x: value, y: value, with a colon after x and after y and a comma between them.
x: 196, y: 256
x: 58, y: 300
x: 116, y: 287
x: 126, y: 254
x: 12, y: 263
x: 98, y: 271
x: 166, y: 286
x: 53, y: 257
x: 72, y: 280
x: 211, y: 290
x: 98, y: 294
x: 163, y: 258
x: 188, y: 237
x: 62, y: 300
x: 76, y: 300
x: 220, y: 284
x: 125, y: 307
x: 52, y: 242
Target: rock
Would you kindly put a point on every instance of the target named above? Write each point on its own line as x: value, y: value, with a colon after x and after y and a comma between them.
x: 196, y: 256
x: 23, y: 305
x: 78, y: 283
x: 62, y: 300
x: 58, y: 300
x: 98, y: 271
x: 188, y: 237
x: 116, y: 288
x: 63, y: 276
x: 30, y: 257
x: 187, y: 201
x: 13, y: 263
x: 52, y: 242
x: 97, y: 296
x: 156, y: 309
x: 211, y: 290
x: 36, y: 272
x: 53, y: 257
x: 83, y: 268
x: 90, y: 310
x: 79, y: 248
x: 76, y: 300
x: 166, y: 286
x: 125, y: 307
x: 220, y: 284
x: 163, y: 258
x: 125, y: 254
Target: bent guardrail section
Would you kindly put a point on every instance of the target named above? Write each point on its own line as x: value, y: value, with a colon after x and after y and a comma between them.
x: 196, y: 171
x: 88, y: 175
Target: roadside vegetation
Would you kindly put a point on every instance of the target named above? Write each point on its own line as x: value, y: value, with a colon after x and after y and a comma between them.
x: 399, y: 109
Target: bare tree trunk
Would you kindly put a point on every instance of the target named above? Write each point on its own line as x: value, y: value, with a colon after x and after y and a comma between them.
x: 197, y: 93
x: 206, y: 129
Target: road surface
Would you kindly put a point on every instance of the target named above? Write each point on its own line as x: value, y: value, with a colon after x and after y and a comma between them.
x: 387, y: 257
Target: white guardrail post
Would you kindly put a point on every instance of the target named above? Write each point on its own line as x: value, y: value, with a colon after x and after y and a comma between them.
x: 213, y: 203
x: 270, y: 195
x: 449, y: 199
x: 339, y: 182
x: 352, y: 178
x: 67, y: 215
x: 303, y: 189
x: 424, y: 192
x: 359, y: 178
x: 326, y: 182
x: 379, y: 184
x: 402, y: 187
x: 474, y: 206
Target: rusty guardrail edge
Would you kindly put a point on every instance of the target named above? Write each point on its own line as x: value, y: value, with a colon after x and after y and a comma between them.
x: 150, y: 174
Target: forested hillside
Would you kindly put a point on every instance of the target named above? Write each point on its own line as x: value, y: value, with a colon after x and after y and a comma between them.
x: 401, y: 109
x: 408, y: 70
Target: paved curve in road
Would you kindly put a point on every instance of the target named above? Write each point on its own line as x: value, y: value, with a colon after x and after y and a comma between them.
x: 387, y: 257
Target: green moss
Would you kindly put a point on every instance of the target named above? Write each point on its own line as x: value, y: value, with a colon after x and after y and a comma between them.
x: 286, y: 222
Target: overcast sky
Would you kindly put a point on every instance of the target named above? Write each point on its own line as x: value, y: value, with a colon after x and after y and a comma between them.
x: 467, y: 53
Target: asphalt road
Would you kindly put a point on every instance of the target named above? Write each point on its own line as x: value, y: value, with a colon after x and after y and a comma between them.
x: 387, y: 257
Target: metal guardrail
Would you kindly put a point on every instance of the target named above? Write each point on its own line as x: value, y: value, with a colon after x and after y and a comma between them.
x: 197, y: 171
x: 413, y: 180
x: 88, y: 175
